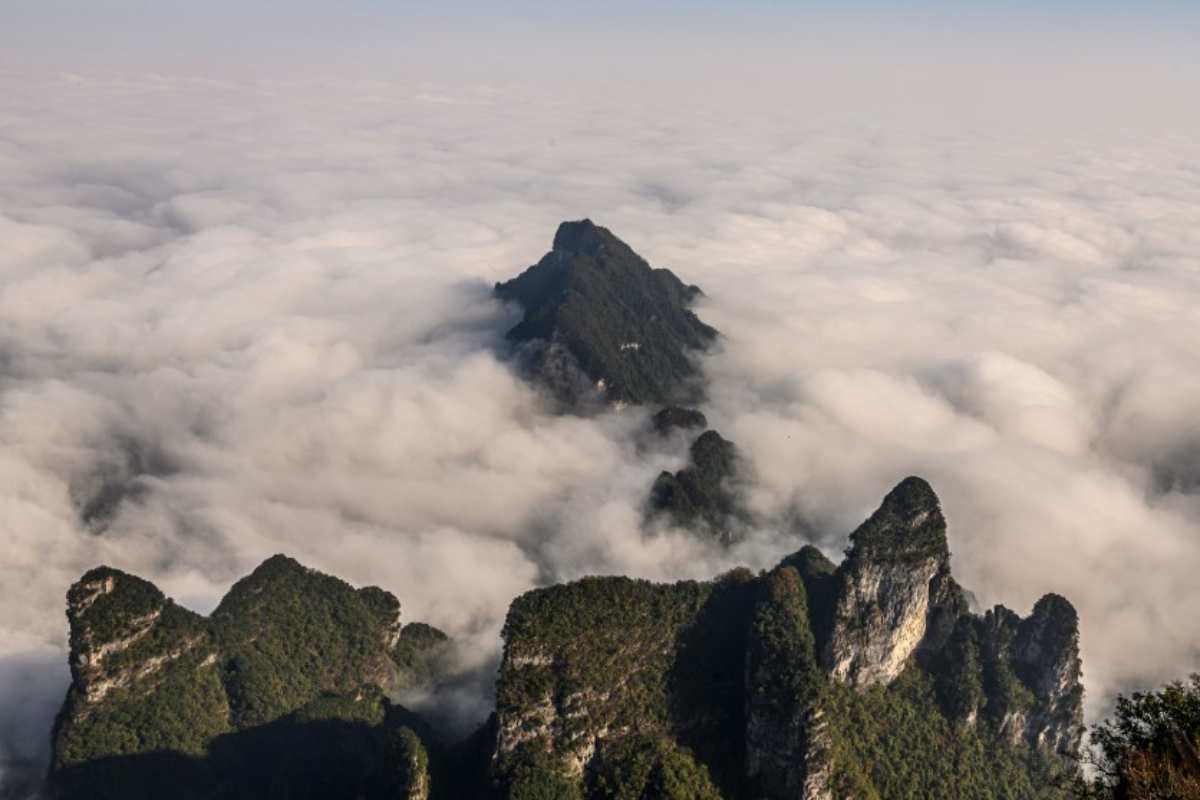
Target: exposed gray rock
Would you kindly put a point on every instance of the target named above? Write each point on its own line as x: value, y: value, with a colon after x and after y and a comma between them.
x: 885, y: 591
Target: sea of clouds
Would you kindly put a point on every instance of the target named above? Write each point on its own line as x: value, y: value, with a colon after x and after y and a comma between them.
x: 242, y: 318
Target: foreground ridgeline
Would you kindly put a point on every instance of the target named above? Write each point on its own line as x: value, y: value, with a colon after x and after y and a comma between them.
x: 279, y: 693
x: 601, y: 326
x: 868, y: 680
x: 871, y: 679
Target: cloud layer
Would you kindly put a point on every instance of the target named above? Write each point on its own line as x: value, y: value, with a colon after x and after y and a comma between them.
x: 239, y: 319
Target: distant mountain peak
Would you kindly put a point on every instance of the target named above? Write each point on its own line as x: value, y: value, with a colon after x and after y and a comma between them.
x: 584, y: 236
x: 600, y: 326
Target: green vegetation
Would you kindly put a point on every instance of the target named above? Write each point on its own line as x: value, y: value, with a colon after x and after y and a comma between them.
x: 1002, y: 687
x: 958, y: 680
x: 908, y: 526
x: 290, y: 634
x: 534, y: 775
x: 820, y: 584
x: 621, y: 321
x: 782, y: 662
x: 639, y: 767
x: 182, y: 712
x: 279, y: 694
x: 417, y: 652
x: 627, y: 655
x: 716, y: 670
x: 784, y: 683
x: 1150, y: 748
x: 893, y: 743
x: 610, y: 636
x: 704, y: 494
x: 611, y: 689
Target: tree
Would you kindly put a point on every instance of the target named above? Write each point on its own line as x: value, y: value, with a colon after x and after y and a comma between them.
x: 1150, y: 748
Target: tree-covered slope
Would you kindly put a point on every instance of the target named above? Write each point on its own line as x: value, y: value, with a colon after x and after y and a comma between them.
x: 868, y: 680
x: 601, y: 326
x: 289, y: 669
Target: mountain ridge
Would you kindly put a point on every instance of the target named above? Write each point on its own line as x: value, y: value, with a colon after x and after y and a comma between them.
x: 765, y: 685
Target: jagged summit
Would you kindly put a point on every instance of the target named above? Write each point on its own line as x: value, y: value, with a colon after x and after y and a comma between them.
x: 896, y: 571
x: 601, y: 326
x: 586, y: 237
x: 870, y: 678
x: 908, y: 524
x: 815, y: 681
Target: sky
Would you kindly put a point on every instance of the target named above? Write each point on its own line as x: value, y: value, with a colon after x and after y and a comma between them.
x: 245, y: 286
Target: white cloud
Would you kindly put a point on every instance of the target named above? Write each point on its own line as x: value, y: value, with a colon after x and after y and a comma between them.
x: 261, y: 314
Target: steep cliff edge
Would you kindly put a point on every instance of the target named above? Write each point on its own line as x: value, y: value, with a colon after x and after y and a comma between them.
x: 292, y: 662
x: 870, y: 679
x: 886, y: 590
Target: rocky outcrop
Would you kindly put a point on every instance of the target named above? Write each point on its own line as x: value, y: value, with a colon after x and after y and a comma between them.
x: 124, y: 631
x: 835, y: 664
x: 886, y: 590
x: 289, y: 656
x: 592, y: 665
x: 1045, y: 656
x: 706, y: 495
x: 800, y: 682
x: 600, y: 326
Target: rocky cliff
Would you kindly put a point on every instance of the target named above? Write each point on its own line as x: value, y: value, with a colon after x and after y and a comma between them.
x: 869, y: 679
x: 292, y: 662
x: 886, y: 590
x: 601, y: 326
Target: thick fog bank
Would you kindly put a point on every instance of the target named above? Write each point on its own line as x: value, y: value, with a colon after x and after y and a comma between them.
x: 237, y: 320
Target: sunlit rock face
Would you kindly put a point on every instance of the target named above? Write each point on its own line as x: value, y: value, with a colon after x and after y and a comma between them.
x: 602, y: 327
x: 884, y: 594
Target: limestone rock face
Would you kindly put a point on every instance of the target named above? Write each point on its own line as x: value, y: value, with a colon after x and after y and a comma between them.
x: 803, y: 681
x: 119, y: 635
x: 590, y: 666
x: 885, y: 592
x: 600, y: 326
